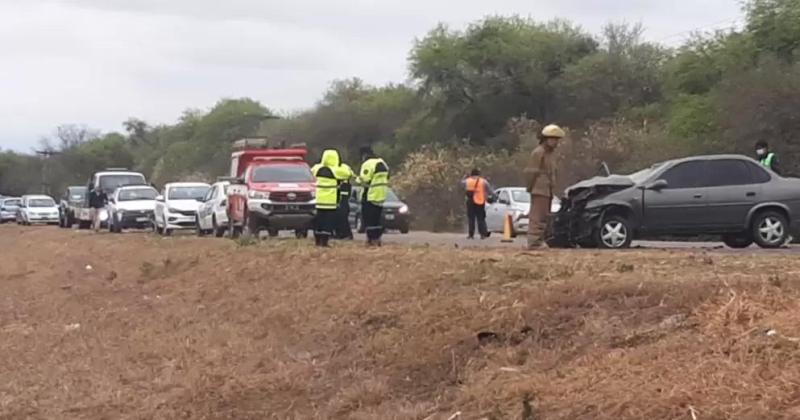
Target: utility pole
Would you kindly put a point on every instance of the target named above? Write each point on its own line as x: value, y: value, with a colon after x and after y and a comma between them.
x: 46, y: 155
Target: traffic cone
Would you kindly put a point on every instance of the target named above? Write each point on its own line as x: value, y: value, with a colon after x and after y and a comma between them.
x: 507, y: 229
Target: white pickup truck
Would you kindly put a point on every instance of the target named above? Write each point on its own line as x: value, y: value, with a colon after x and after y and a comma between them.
x: 107, y: 181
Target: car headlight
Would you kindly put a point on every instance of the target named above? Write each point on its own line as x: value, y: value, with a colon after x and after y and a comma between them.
x: 258, y: 195
x: 171, y: 210
x: 403, y: 210
x: 103, y: 215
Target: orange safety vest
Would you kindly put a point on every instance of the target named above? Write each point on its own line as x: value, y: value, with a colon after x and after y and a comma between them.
x: 476, y: 189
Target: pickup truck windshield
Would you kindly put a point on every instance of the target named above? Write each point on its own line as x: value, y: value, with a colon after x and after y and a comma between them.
x: 137, y: 194
x: 109, y: 183
x: 187, y: 193
x: 41, y: 202
x: 282, y: 173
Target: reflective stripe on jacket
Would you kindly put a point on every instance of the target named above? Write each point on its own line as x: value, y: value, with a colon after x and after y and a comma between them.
x: 767, y: 161
x: 476, y: 190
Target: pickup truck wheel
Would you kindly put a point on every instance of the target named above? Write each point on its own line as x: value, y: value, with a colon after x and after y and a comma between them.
x: 301, y: 233
x: 739, y: 241
x: 273, y: 233
x: 770, y: 229
x: 615, y: 233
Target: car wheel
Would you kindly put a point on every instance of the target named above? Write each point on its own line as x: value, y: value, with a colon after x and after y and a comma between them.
x: 615, y: 233
x: 770, y: 229
x: 273, y: 233
x: 167, y: 231
x: 218, y: 231
x: 739, y: 241
x: 360, y: 228
x: 301, y: 233
x: 199, y: 229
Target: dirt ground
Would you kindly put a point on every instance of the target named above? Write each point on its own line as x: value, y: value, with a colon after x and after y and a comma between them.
x: 134, y: 326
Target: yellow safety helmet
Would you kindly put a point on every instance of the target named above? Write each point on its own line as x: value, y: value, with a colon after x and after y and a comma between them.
x: 553, y: 131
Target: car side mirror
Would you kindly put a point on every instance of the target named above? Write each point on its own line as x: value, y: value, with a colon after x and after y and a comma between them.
x: 657, y: 185
x: 160, y: 198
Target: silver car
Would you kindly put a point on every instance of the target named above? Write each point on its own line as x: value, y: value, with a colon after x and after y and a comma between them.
x: 728, y: 195
x: 8, y: 209
x: 516, y: 202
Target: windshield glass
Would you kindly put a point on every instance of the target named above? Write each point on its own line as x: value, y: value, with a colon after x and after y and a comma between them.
x: 41, y: 202
x: 109, y: 183
x: 282, y: 173
x: 391, y: 196
x: 642, y: 175
x: 11, y: 203
x: 187, y: 193
x: 521, y: 196
x: 137, y: 194
x: 77, y: 193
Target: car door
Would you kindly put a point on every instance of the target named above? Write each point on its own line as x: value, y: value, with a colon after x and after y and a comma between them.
x: 221, y: 203
x: 495, y: 211
x: 681, y: 205
x: 734, y: 188
x: 204, y: 209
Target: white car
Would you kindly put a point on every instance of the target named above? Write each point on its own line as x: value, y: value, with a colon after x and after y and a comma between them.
x: 517, y: 203
x: 37, y: 209
x: 8, y: 209
x: 131, y: 207
x: 212, y: 216
x: 176, y: 207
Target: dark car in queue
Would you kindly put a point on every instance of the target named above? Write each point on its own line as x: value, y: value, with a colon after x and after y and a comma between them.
x: 396, y: 214
x: 731, y: 196
x: 72, y: 198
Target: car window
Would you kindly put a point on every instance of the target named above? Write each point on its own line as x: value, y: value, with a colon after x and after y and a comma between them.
x: 758, y: 174
x: 211, y: 194
x: 521, y: 196
x: 685, y: 175
x: 726, y: 172
x: 503, y: 196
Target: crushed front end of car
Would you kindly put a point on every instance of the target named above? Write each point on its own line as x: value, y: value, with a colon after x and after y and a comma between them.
x: 582, y: 211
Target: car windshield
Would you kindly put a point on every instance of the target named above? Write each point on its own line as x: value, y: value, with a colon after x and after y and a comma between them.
x: 77, y: 193
x: 391, y: 196
x: 11, y: 203
x: 41, y: 202
x: 109, y: 183
x: 137, y: 194
x: 282, y: 173
x: 187, y: 193
x: 521, y: 196
x: 642, y: 175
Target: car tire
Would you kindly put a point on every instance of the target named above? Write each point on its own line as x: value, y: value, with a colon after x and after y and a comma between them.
x: 737, y: 241
x: 301, y: 233
x: 273, y: 233
x: 770, y: 229
x: 614, y: 233
x: 360, y: 228
x: 405, y: 229
x: 167, y: 232
x: 199, y: 229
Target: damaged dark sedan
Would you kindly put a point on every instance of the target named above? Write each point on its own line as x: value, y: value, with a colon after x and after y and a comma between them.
x: 727, y: 195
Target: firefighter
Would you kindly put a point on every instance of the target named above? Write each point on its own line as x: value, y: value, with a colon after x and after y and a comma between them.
x: 767, y: 158
x: 374, y: 180
x: 478, y: 192
x: 327, y: 197
x: 541, y: 176
x: 345, y: 176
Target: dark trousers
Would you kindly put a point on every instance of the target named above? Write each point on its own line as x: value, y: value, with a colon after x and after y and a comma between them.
x: 343, y: 230
x: 324, y: 225
x: 371, y: 214
x: 476, y: 214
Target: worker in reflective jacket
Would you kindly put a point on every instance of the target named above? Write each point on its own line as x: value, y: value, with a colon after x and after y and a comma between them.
x: 327, y: 197
x: 344, y: 174
x: 478, y: 191
x: 374, y: 180
x: 767, y: 158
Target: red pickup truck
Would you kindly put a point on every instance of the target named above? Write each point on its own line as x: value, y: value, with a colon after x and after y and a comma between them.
x: 271, y: 189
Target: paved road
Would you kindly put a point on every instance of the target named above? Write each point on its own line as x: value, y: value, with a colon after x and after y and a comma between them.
x: 460, y: 240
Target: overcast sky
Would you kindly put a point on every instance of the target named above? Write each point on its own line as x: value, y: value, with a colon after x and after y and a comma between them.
x: 98, y: 62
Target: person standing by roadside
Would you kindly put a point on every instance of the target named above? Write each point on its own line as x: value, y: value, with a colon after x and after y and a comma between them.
x: 541, y: 175
x: 97, y: 202
x: 478, y: 191
x: 327, y: 193
x: 767, y: 158
x: 374, y: 180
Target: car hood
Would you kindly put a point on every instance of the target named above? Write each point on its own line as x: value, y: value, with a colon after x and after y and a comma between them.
x: 282, y: 186
x: 137, y: 205
x: 184, y: 205
x: 393, y: 204
x: 612, y: 182
x: 53, y: 209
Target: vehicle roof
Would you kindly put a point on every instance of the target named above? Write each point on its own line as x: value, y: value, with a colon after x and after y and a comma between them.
x: 135, y: 187
x: 711, y: 157
x: 101, y: 173
x: 76, y: 187
x: 186, y: 184
x: 36, y: 196
x: 10, y: 198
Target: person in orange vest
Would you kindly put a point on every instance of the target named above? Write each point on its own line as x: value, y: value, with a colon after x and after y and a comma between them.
x: 478, y: 192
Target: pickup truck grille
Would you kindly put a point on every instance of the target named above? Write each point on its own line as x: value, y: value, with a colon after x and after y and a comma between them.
x: 290, y: 196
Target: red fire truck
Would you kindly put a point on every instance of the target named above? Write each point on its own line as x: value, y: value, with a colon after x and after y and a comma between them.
x: 271, y: 189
